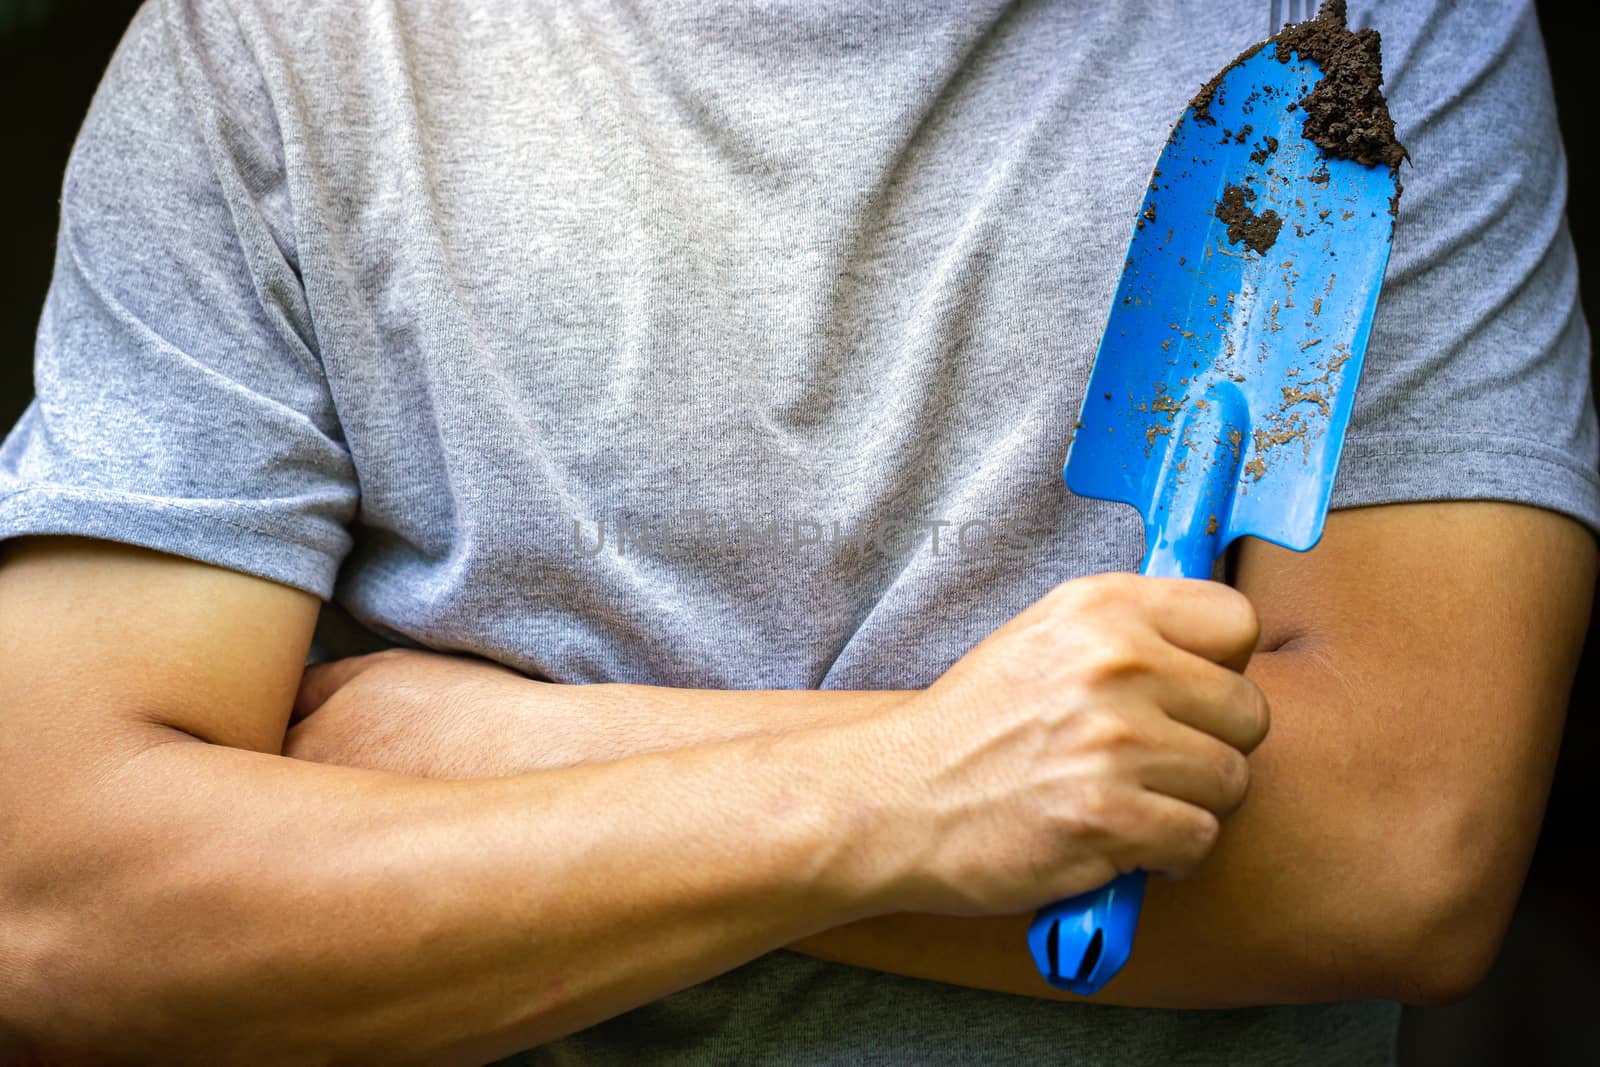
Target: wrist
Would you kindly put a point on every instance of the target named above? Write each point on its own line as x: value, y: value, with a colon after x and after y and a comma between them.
x: 868, y: 850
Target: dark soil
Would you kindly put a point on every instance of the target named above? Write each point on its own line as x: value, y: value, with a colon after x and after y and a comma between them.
x: 1258, y: 232
x: 1345, y: 112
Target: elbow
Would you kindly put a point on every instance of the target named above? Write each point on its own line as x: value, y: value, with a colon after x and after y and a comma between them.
x: 1445, y: 952
x: 1447, y: 923
x: 52, y: 1005
x: 73, y: 989
x: 1426, y: 949
x: 126, y: 946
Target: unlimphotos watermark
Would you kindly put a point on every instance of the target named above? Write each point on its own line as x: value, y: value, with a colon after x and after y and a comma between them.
x: 693, y: 530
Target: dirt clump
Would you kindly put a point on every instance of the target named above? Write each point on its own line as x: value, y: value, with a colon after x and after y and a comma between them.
x: 1256, y: 231
x: 1345, y: 112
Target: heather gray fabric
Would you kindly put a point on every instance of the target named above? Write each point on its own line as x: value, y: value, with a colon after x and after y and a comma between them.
x: 411, y: 303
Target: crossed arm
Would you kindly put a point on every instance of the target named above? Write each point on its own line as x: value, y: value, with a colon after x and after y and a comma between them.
x: 1417, y: 663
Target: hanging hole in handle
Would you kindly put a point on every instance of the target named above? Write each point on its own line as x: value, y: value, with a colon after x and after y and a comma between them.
x: 1091, y: 956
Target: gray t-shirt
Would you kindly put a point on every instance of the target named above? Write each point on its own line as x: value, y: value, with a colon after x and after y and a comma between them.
x: 732, y: 346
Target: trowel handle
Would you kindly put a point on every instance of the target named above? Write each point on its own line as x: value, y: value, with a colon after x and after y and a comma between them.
x: 1078, y: 944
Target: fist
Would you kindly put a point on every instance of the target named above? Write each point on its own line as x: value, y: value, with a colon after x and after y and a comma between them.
x: 1103, y: 729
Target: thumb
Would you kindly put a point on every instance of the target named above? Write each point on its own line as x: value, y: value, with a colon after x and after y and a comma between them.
x: 321, y: 680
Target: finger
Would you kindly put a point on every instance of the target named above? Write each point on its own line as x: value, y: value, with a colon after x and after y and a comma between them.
x: 1185, y: 764
x: 319, y: 682
x: 1166, y: 835
x: 1207, y: 618
x: 1209, y: 697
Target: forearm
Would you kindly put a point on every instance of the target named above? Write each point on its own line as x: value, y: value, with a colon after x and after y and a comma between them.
x: 210, y: 904
x: 530, y: 726
x: 1312, y: 893
x: 1292, y: 906
x: 1424, y: 658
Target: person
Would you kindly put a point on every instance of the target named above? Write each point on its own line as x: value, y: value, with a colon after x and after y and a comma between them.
x: 646, y: 422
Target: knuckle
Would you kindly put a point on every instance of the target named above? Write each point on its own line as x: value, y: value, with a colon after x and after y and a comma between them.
x: 1112, y: 658
x: 1261, y: 715
x: 1201, y: 835
x: 1101, y: 729
x: 1097, y: 591
x: 1093, y: 809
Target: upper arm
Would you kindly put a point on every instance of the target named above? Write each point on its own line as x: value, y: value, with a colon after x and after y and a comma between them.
x: 1483, y: 599
x: 181, y: 406
x: 1446, y: 636
x: 107, y: 647
x: 1456, y: 627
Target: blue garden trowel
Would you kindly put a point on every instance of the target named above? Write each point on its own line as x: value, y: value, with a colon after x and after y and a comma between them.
x: 1225, y: 377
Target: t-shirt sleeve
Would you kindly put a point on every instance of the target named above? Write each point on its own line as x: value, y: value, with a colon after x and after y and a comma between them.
x: 180, y: 402
x: 1476, y: 379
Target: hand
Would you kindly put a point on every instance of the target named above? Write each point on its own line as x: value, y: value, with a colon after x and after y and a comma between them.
x: 407, y: 712
x: 1103, y: 729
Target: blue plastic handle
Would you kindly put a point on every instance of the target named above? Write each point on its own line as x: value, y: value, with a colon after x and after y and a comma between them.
x: 1078, y: 944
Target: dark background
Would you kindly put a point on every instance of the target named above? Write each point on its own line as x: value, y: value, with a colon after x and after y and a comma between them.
x: 1533, y: 1008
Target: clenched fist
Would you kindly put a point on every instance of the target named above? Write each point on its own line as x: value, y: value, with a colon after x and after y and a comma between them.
x: 1103, y: 729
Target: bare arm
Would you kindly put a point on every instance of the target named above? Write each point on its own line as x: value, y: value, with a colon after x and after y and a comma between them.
x: 1418, y: 666
x: 174, y: 893
x: 174, y: 890
x: 433, y: 715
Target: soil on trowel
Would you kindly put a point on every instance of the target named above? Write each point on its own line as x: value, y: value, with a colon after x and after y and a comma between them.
x: 1345, y: 112
x: 1258, y: 232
